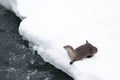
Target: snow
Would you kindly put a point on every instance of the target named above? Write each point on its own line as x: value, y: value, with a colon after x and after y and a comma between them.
x: 51, y: 24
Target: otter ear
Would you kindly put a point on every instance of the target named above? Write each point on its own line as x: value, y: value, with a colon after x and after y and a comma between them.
x: 86, y: 42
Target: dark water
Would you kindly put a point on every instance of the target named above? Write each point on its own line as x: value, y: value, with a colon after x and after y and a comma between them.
x: 17, y: 61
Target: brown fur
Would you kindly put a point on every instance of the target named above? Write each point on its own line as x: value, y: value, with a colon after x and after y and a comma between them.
x: 84, y: 51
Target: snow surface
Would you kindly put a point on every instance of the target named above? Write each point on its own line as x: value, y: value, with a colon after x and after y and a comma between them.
x: 51, y: 24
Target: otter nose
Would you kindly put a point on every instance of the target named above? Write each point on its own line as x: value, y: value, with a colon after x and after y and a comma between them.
x: 63, y: 46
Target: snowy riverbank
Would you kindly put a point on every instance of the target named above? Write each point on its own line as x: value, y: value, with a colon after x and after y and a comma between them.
x: 49, y: 25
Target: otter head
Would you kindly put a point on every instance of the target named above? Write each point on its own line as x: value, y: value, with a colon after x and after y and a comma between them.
x: 92, y: 48
x: 70, y: 51
x: 68, y: 47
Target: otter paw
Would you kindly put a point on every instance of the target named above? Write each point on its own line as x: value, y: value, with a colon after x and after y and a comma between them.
x: 71, y: 62
x: 89, y: 56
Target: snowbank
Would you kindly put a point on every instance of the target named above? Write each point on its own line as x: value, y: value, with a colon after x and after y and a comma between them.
x: 51, y: 24
x: 17, y: 6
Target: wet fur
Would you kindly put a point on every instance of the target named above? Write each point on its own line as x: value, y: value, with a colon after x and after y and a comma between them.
x: 84, y: 51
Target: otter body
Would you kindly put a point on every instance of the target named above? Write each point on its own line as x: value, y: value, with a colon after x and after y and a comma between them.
x: 84, y: 51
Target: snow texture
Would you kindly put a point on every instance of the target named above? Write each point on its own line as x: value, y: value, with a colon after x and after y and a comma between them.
x: 51, y: 24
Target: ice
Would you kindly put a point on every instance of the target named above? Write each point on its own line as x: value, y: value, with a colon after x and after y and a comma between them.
x: 51, y: 24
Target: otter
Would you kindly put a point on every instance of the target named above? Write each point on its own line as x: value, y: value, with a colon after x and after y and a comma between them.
x: 84, y: 51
